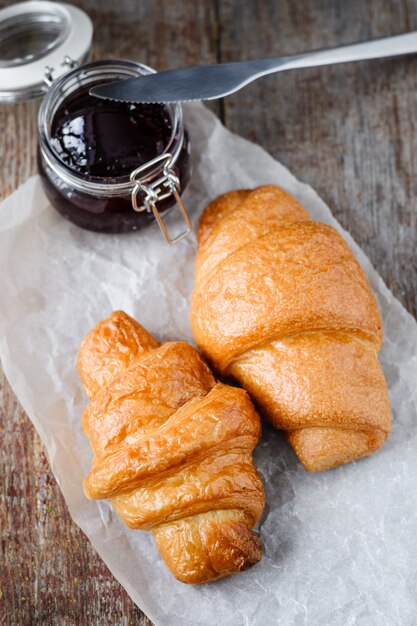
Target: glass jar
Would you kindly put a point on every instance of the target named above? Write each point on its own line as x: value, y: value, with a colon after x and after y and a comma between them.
x: 113, y: 203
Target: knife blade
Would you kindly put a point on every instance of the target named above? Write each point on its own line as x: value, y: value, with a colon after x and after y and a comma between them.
x: 208, y: 82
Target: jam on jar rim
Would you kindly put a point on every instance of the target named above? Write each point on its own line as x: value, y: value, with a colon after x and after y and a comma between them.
x: 70, y: 83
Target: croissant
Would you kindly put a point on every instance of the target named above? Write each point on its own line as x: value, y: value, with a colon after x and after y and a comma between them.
x: 281, y: 305
x: 172, y: 449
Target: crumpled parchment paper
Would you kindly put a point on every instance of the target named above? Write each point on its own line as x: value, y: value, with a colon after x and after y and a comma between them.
x: 340, y: 547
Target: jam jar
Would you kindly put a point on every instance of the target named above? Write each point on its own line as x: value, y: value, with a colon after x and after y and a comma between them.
x: 107, y: 166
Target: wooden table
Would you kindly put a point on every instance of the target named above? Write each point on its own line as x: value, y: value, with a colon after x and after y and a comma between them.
x: 350, y: 131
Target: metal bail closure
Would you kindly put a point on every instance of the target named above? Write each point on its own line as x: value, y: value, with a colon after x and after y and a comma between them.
x: 165, y: 186
x: 48, y: 77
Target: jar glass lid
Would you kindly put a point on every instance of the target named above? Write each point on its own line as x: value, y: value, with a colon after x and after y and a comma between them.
x: 38, y: 41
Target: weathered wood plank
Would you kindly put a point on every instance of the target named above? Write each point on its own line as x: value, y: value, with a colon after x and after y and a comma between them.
x: 50, y: 574
x: 348, y: 130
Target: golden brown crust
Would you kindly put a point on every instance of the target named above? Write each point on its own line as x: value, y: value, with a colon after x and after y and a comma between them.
x: 323, y: 448
x: 316, y: 379
x: 227, y: 481
x: 281, y: 304
x: 259, y: 212
x: 297, y: 278
x: 217, y: 209
x: 223, y: 537
x: 116, y: 343
x: 145, y: 395
x: 173, y: 449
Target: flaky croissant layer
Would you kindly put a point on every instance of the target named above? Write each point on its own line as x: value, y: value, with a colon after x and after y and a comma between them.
x: 281, y: 304
x: 172, y: 449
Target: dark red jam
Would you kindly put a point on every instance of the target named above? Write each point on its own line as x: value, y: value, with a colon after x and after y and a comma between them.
x: 103, y: 142
x: 106, y: 139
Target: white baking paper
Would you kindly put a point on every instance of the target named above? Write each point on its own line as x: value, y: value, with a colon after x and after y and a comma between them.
x: 340, y: 548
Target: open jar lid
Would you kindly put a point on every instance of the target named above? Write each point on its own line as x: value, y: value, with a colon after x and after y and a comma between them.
x: 39, y: 41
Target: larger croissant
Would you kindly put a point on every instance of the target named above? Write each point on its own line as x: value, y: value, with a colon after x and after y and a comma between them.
x: 281, y: 305
x: 172, y: 449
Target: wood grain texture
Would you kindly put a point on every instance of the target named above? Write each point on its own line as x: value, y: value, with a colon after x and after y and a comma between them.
x: 347, y: 130
x: 350, y: 131
x: 49, y: 573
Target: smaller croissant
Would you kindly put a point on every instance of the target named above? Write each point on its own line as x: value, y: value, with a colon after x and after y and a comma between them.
x: 172, y: 449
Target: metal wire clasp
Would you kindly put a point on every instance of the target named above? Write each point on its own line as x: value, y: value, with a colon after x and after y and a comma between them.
x: 48, y: 77
x: 166, y: 185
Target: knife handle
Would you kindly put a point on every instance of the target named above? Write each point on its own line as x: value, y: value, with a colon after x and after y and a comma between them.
x: 375, y: 49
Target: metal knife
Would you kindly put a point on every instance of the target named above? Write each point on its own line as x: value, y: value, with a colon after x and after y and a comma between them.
x: 208, y: 82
